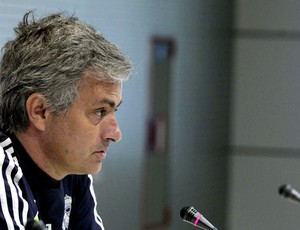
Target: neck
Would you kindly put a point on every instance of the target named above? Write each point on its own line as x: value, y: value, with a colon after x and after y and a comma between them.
x: 32, y: 144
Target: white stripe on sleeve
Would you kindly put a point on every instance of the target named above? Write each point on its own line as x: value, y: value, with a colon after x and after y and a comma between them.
x: 92, y: 191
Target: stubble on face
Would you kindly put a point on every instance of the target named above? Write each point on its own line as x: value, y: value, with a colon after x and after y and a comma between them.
x: 74, y: 142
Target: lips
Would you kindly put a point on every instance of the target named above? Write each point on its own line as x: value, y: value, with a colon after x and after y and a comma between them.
x: 101, y: 154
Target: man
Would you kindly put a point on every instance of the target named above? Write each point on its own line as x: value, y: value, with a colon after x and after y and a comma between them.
x: 60, y: 86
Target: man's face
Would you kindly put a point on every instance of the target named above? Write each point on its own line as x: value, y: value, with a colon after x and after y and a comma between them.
x: 76, y: 143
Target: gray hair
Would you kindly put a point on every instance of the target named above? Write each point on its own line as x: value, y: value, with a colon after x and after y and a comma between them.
x: 51, y: 56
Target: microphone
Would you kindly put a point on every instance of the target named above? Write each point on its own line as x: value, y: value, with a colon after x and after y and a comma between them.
x: 35, y: 225
x: 289, y: 192
x: 192, y: 216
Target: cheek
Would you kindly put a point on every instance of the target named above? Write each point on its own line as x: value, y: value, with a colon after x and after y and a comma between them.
x: 63, y: 139
x: 63, y: 135
x: 75, y: 134
x: 81, y: 138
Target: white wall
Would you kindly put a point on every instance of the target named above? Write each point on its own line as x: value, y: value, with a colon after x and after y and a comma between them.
x: 201, y: 89
x: 265, y: 115
x: 201, y: 79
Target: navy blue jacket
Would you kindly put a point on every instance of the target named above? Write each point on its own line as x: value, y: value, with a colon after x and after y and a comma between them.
x: 26, y: 193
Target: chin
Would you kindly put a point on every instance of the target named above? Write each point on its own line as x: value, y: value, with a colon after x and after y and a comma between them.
x: 94, y: 170
x: 89, y: 169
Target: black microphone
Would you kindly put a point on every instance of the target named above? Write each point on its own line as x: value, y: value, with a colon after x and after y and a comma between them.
x: 192, y: 216
x: 289, y: 192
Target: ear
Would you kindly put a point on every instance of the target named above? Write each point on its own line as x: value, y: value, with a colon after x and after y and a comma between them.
x: 37, y: 111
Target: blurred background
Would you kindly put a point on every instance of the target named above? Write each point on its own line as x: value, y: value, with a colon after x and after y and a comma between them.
x: 210, y: 117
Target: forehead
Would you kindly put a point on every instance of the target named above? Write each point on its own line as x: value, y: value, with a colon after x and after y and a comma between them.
x: 89, y: 81
x: 94, y: 90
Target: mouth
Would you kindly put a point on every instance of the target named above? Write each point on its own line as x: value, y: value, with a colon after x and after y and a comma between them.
x: 100, y: 154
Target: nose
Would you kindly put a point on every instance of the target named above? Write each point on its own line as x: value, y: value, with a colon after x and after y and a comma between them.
x: 112, y: 131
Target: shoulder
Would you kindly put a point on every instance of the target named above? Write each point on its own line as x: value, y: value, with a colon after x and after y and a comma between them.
x: 5, y: 142
x: 8, y: 159
x: 17, y: 203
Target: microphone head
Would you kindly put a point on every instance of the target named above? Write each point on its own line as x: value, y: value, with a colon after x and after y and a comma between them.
x: 189, y: 214
x: 184, y: 212
x: 289, y: 192
x: 285, y: 190
x: 192, y: 216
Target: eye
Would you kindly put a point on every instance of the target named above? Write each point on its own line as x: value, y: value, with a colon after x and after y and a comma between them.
x: 100, y: 112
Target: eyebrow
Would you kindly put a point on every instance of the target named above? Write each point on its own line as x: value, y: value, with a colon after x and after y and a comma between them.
x: 111, y: 103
